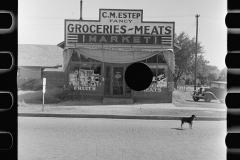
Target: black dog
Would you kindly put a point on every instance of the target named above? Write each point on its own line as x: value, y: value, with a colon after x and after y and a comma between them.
x: 188, y: 120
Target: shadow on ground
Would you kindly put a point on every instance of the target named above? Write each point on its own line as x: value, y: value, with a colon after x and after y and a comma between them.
x: 214, y: 101
x: 178, y: 128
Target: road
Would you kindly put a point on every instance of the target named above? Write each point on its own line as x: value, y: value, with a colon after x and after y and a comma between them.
x: 119, y: 139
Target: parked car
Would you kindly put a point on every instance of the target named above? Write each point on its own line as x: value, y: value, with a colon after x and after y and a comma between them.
x: 216, y: 91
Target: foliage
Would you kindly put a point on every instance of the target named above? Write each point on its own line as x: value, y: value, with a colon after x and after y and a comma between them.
x: 185, y: 62
x: 21, y: 104
x: 51, y: 96
x: 30, y: 84
x: 223, y: 75
x: 205, y: 72
x: 213, y: 73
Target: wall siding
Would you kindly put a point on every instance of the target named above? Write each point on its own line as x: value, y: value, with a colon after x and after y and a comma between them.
x: 30, y: 73
x: 54, y: 78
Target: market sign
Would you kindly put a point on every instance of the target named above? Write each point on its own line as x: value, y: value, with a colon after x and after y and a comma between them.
x: 121, y: 28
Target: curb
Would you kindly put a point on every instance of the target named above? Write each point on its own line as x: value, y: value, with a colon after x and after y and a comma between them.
x: 161, y: 117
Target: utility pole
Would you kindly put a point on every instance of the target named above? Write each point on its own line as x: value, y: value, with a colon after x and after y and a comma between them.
x: 81, y: 10
x: 195, y: 80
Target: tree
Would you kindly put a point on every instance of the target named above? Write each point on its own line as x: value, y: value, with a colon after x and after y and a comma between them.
x: 202, y: 69
x: 205, y: 72
x: 184, y: 58
x: 223, y: 75
x: 213, y: 73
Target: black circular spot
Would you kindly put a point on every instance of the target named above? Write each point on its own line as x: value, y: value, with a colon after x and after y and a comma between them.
x: 138, y: 76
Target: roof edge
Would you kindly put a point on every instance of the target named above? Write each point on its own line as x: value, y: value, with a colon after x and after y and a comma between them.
x: 62, y: 45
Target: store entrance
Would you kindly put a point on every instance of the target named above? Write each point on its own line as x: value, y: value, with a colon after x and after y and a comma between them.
x: 117, y: 81
x: 115, y: 85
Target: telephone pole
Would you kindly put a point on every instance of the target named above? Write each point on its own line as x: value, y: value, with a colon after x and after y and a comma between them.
x: 81, y: 10
x: 195, y: 80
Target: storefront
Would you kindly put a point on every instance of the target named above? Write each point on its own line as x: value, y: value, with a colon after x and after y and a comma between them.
x: 98, y: 53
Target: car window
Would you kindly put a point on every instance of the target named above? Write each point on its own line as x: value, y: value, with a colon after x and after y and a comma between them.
x: 214, y: 85
x: 222, y: 86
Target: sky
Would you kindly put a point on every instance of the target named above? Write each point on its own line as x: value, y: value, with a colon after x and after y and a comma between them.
x: 42, y: 21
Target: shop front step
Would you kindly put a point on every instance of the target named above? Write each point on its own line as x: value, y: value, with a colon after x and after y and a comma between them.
x: 117, y: 101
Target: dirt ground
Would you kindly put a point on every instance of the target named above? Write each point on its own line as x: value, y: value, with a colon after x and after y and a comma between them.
x: 182, y: 98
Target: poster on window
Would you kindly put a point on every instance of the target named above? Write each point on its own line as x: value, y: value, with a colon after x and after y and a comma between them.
x: 159, y: 80
x: 84, y: 80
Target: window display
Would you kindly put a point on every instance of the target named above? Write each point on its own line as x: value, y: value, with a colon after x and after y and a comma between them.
x: 86, y: 77
x: 159, y: 78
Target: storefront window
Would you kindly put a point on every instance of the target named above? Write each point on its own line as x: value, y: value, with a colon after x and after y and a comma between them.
x: 154, y: 71
x: 152, y: 59
x: 161, y: 71
x: 143, y: 61
x: 86, y: 77
x: 161, y: 58
x: 159, y: 78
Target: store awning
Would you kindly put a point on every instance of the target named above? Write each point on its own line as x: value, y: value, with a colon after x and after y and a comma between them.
x: 118, y: 55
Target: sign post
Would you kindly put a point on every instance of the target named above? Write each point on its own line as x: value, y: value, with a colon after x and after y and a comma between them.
x: 44, y: 90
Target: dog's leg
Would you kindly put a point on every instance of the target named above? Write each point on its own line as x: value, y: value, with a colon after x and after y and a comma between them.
x: 190, y: 124
x: 181, y: 123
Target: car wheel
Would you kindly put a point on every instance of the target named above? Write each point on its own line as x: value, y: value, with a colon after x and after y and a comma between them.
x: 207, y: 97
x: 195, y: 98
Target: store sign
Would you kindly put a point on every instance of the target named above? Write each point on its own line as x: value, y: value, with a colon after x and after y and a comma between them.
x: 119, y: 27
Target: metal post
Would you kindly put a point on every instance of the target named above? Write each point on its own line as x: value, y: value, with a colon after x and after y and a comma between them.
x: 195, y: 80
x: 81, y: 10
x: 44, y: 90
x: 43, y: 103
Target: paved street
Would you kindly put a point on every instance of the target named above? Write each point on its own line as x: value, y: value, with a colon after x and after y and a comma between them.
x: 119, y: 139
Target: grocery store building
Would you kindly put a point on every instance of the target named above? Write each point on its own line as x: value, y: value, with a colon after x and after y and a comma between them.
x: 98, y: 52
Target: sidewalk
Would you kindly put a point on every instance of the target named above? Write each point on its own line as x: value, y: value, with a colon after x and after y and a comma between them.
x: 162, y: 111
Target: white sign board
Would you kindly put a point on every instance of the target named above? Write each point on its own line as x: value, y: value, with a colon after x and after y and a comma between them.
x: 44, y: 89
x: 119, y: 28
x: 44, y: 81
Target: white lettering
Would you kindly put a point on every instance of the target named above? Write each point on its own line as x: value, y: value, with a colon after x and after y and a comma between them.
x: 92, y: 39
x: 114, y: 38
x: 136, y: 39
x: 103, y: 39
